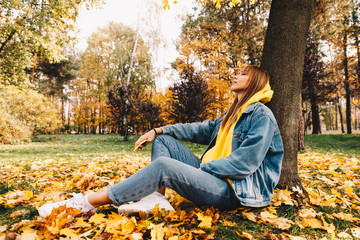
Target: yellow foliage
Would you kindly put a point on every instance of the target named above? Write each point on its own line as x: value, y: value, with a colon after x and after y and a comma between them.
x: 23, y: 112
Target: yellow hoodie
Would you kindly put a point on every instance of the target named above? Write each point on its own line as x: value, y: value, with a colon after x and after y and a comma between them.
x: 223, y: 144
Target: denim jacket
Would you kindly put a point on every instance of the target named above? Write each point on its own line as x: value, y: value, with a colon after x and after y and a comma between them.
x: 254, y: 166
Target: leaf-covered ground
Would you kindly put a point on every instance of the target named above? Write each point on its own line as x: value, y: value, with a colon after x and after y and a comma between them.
x: 332, y: 210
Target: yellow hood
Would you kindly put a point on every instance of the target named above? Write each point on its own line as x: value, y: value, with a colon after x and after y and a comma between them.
x: 264, y: 96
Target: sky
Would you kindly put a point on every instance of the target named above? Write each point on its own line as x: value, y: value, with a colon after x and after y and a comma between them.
x: 128, y: 13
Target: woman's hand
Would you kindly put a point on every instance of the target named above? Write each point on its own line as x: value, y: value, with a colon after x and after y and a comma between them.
x: 147, y: 138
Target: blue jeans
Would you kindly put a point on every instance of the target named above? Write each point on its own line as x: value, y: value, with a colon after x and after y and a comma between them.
x: 174, y: 166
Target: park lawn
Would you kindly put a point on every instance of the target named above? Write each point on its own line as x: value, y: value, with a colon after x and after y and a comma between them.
x: 53, y: 166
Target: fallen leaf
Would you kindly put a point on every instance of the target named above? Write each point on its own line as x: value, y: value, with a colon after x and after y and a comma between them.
x: 283, y: 196
x: 97, y: 218
x: 278, y: 222
x: 3, y: 228
x: 69, y: 233
x: 245, y: 235
x: 137, y: 236
x: 229, y: 223
x: 251, y: 216
x: 18, y: 213
x: 355, y: 232
x: 206, y: 221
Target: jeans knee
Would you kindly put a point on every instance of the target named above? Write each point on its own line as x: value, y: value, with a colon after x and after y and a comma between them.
x: 165, y: 164
x: 163, y: 138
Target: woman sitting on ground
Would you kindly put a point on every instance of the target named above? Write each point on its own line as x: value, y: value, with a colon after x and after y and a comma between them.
x: 240, y: 167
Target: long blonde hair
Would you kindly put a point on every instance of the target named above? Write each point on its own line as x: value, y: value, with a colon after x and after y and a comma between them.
x: 258, y: 78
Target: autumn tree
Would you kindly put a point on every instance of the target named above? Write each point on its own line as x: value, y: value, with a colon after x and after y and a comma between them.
x: 55, y: 80
x: 315, y: 88
x: 32, y: 28
x: 339, y: 35
x: 106, y: 63
x: 123, y: 100
x: 220, y: 41
x: 150, y: 115
x: 190, y: 97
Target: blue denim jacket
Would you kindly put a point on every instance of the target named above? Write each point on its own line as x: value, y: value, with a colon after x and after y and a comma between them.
x: 254, y: 166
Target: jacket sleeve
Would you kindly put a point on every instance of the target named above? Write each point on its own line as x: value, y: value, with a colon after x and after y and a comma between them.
x: 245, y: 160
x: 198, y: 132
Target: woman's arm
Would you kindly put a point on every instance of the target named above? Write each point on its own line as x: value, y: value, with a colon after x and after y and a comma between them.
x: 198, y: 132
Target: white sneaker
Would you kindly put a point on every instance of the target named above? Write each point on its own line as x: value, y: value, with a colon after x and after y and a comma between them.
x: 78, y: 201
x: 146, y: 204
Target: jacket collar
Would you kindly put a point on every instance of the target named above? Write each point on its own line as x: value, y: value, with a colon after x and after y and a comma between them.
x: 251, y: 107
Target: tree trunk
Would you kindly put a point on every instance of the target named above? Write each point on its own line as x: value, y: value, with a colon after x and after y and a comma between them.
x: 315, y: 117
x: 283, y: 56
x: 301, y: 131
x: 330, y: 119
x: 347, y: 83
x: 336, y: 118
x: 341, y: 118
x: 356, y: 120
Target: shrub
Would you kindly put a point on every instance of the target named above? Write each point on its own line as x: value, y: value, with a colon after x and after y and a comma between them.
x: 25, y: 111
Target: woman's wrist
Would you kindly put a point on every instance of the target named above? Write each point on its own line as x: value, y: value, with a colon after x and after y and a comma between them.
x: 157, y: 130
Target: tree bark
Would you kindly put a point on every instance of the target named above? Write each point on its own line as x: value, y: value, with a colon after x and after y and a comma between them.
x: 301, y: 130
x: 347, y: 83
x: 341, y: 118
x: 315, y: 117
x: 336, y: 118
x: 283, y: 58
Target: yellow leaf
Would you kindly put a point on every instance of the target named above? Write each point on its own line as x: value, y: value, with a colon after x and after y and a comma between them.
x: 128, y: 226
x: 345, y: 216
x: 296, y: 238
x: 28, y: 236
x: 355, y: 232
x: 282, y: 196
x: 278, y: 222
x: 310, y: 222
x: 3, y: 228
x: 251, y: 216
x: 81, y: 223
x: 245, y: 235
x: 307, y: 212
x: 29, y: 194
x: 69, y: 233
x: 136, y: 236
x: 271, y: 209
x: 229, y: 223
x: 205, y: 221
x: 18, y: 213
x: 157, y: 231
x: 97, y: 218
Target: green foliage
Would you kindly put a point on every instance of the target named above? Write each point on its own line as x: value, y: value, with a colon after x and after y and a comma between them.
x: 34, y: 28
x: 25, y: 112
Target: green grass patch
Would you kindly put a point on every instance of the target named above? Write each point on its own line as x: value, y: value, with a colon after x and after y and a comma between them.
x: 75, y: 147
x: 335, y: 143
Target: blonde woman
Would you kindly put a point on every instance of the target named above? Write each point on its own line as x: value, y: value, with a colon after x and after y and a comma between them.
x: 240, y: 167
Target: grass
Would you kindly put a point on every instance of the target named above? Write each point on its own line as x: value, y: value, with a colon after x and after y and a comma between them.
x: 334, y: 143
x: 75, y: 147
x: 87, y: 147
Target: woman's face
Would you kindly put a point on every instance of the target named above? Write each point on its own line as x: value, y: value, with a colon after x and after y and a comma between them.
x: 240, y: 82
